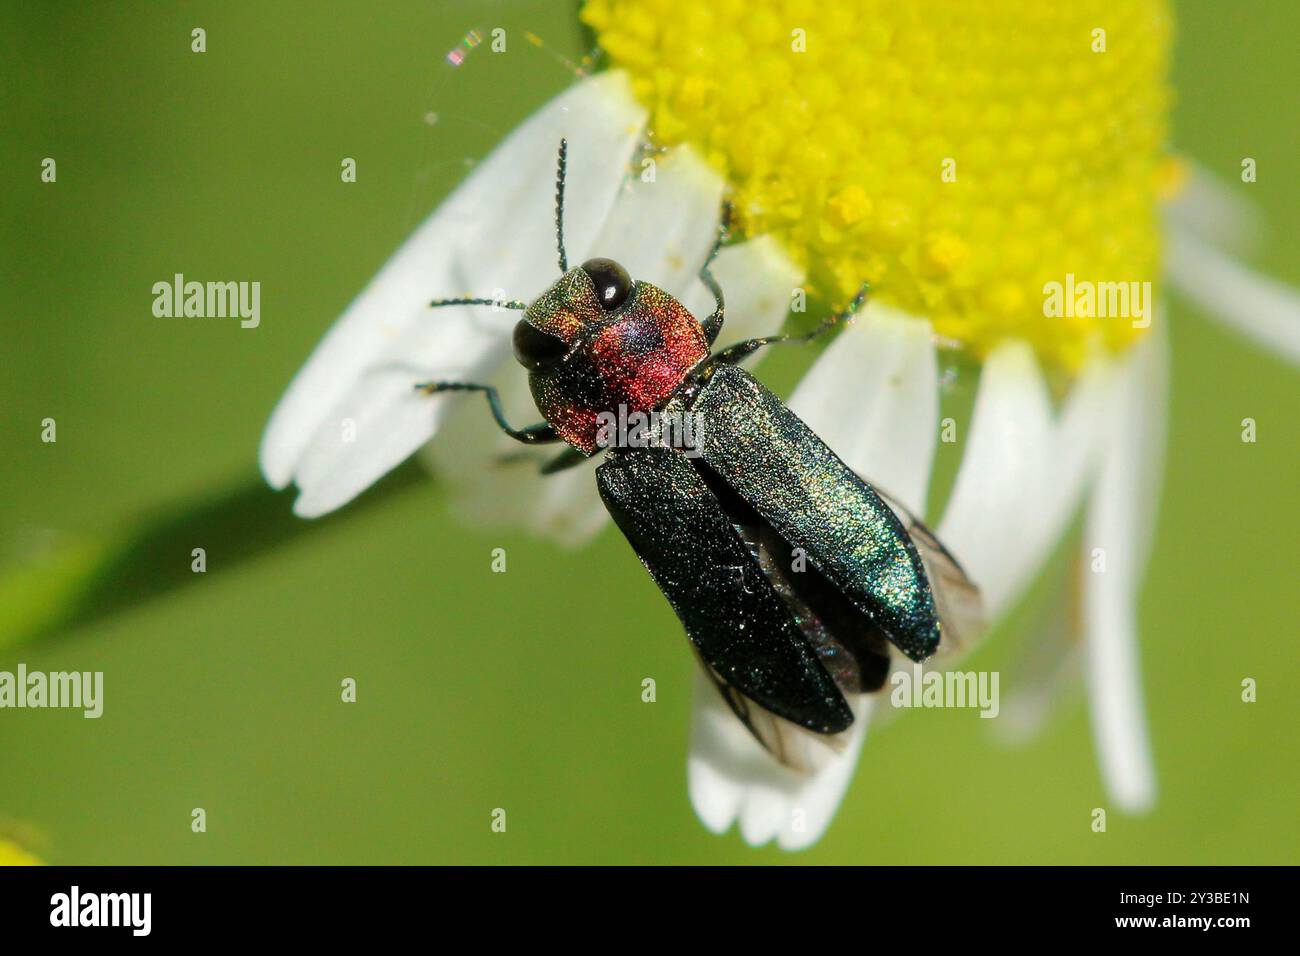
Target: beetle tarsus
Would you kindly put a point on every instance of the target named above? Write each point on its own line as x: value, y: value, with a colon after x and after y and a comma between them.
x: 569, y: 458
x: 733, y: 354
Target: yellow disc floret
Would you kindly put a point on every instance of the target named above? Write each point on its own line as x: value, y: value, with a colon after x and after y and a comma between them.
x: 966, y: 158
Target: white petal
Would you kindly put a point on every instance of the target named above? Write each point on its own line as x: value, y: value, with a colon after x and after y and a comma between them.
x: 494, y: 481
x: 722, y: 758
x: 1003, y: 471
x: 757, y: 279
x: 663, y: 232
x: 1026, y: 710
x: 1022, y: 473
x: 732, y: 778
x: 873, y: 397
x: 1048, y: 662
x: 374, y: 428
x: 1261, y: 308
x: 1215, y: 210
x: 495, y: 232
x: 1119, y: 522
x: 819, y: 797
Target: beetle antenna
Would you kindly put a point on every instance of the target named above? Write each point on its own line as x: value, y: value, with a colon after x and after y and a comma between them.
x: 498, y: 303
x: 559, y: 204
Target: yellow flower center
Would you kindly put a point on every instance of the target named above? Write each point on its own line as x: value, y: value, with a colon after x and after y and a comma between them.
x: 962, y: 157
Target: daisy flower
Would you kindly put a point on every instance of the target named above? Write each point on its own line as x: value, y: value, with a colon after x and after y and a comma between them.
x: 966, y: 159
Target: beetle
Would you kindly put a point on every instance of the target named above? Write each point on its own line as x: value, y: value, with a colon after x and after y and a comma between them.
x: 792, y: 576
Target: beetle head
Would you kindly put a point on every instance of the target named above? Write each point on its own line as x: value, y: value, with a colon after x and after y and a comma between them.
x: 555, y: 324
x: 597, y: 340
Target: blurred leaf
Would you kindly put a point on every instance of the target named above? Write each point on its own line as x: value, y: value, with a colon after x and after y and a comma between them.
x: 84, y: 579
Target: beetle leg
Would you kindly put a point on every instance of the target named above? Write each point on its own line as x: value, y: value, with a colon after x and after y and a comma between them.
x: 539, y: 434
x: 713, y: 324
x: 562, y: 461
x: 733, y: 354
x: 569, y: 458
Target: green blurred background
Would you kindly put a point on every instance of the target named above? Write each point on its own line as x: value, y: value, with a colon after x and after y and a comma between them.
x: 479, y: 690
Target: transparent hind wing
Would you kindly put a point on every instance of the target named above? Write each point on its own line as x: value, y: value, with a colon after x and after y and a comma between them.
x: 956, y: 598
x: 791, y: 745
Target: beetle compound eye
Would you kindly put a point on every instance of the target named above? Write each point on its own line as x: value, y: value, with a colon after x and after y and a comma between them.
x: 536, y: 350
x: 613, y: 284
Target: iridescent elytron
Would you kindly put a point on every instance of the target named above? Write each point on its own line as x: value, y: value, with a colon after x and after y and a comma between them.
x: 793, y: 576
